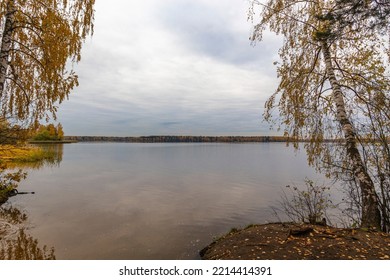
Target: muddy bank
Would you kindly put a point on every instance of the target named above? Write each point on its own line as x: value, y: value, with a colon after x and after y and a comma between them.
x: 287, y: 241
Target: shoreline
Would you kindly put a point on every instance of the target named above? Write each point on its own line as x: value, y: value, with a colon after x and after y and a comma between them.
x: 292, y: 241
x: 179, y: 139
x: 52, y: 142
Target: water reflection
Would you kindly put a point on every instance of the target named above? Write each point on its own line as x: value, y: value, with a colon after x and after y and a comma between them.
x: 52, y: 158
x: 54, y: 154
x: 15, y: 241
x: 155, y: 201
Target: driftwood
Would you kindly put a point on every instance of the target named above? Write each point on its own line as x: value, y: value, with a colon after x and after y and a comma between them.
x: 300, y: 231
x: 297, y: 232
x: 16, y: 192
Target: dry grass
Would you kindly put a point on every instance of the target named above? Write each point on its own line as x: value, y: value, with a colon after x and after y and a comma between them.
x: 9, y: 154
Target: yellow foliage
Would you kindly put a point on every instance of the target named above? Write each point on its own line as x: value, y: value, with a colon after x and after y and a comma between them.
x: 10, y: 153
x: 49, y: 35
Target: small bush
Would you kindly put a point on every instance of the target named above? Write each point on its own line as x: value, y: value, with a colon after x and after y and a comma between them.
x: 307, y: 206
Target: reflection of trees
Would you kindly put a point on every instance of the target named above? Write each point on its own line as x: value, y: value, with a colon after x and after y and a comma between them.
x: 12, y: 215
x: 15, y: 243
x: 52, y: 157
x: 54, y: 154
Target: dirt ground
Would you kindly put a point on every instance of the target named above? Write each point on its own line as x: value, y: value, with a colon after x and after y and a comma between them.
x: 287, y: 241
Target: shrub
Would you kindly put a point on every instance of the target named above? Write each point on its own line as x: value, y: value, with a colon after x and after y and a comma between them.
x: 307, y: 206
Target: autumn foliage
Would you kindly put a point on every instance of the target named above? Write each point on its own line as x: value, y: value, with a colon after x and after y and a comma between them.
x: 48, y: 133
x: 40, y: 43
x: 334, y: 83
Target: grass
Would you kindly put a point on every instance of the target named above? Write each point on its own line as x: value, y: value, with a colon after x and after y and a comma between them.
x: 13, y: 157
x: 22, y: 154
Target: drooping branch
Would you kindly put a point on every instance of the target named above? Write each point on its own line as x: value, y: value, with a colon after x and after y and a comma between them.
x: 371, y: 214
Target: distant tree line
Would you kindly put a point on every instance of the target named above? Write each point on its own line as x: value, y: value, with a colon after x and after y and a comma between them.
x: 179, y: 139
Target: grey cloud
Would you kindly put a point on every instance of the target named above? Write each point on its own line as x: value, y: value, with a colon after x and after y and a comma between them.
x: 198, y: 28
x: 244, y: 119
x: 177, y: 67
x: 170, y: 124
x: 207, y: 30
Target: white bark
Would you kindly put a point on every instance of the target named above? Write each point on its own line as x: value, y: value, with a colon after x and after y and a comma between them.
x: 370, y: 206
x: 6, y: 43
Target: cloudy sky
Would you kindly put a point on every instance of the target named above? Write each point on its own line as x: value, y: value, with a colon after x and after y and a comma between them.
x: 171, y: 67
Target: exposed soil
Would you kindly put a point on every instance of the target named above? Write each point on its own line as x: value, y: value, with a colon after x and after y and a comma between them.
x: 287, y: 241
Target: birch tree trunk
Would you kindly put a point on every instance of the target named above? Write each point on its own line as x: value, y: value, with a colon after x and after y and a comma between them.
x: 371, y: 216
x: 6, y: 43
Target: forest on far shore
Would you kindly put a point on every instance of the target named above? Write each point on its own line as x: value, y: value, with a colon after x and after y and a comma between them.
x: 179, y: 139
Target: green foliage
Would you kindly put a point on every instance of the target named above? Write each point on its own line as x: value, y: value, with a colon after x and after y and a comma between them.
x: 48, y: 133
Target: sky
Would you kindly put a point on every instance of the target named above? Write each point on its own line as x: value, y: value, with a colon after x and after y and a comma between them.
x: 172, y: 67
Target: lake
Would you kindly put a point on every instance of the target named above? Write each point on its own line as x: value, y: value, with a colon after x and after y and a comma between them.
x: 154, y: 201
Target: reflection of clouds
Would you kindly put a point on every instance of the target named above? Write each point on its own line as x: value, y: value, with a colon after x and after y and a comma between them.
x: 185, y: 61
x: 150, y: 201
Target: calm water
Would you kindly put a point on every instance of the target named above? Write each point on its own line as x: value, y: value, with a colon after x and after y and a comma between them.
x: 154, y: 201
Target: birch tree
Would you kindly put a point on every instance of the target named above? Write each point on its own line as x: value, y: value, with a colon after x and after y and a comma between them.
x: 334, y: 81
x: 41, y: 40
